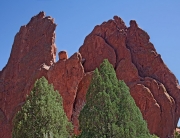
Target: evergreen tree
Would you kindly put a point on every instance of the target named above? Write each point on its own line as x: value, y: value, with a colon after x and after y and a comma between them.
x: 176, y: 134
x: 42, y: 115
x: 110, y: 111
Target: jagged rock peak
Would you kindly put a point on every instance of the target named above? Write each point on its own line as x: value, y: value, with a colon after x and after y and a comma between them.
x: 133, y: 23
x: 32, y: 54
x: 41, y: 15
x: 119, y: 22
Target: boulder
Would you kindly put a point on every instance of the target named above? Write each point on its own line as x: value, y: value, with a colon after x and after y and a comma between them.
x: 63, y: 55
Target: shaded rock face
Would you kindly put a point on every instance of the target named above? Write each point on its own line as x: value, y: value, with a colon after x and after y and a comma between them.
x: 152, y: 85
x: 80, y: 100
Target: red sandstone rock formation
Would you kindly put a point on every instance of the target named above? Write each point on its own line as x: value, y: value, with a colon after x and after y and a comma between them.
x: 33, y: 46
x: 65, y: 75
x: 63, y: 55
x: 33, y: 56
x: 153, y: 87
x: 80, y: 100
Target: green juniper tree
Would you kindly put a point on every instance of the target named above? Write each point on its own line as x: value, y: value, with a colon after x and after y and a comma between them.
x: 176, y: 134
x: 110, y: 111
x: 42, y: 115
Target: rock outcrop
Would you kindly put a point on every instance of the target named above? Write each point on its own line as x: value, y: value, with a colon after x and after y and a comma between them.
x: 80, y: 100
x: 152, y: 85
x: 33, y: 46
x: 65, y: 75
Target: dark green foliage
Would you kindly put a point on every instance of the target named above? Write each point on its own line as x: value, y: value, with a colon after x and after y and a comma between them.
x: 176, y: 135
x: 42, y: 115
x: 110, y: 111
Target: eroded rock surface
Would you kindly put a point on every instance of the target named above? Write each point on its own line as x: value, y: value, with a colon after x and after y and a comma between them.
x: 153, y: 86
x: 33, y: 46
x: 63, y: 55
x: 93, y: 53
x: 65, y: 76
x: 80, y: 100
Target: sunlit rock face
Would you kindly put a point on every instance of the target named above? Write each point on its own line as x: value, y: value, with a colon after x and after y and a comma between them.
x: 33, y: 56
x: 33, y: 48
x: 65, y: 75
x: 152, y: 85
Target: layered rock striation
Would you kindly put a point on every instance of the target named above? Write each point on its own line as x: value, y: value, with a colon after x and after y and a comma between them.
x: 152, y: 85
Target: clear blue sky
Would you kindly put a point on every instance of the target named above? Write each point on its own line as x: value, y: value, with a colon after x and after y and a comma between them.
x: 77, y: 18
